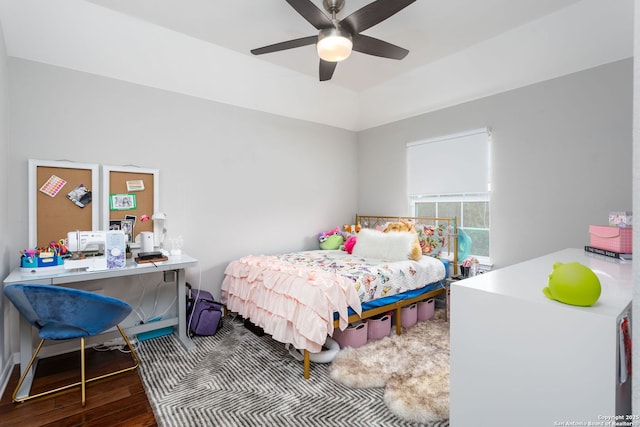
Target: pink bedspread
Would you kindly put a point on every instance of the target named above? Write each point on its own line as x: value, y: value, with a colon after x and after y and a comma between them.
x: 292, y: 305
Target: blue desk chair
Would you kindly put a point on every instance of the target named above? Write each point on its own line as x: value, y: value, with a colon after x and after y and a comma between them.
x: 63, y: 313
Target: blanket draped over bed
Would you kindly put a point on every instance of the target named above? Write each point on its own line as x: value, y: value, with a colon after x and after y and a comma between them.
x: 293, y: 297
x: 293, y: 305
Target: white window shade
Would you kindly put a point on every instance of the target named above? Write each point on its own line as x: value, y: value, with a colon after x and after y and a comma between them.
x: 451, y: 164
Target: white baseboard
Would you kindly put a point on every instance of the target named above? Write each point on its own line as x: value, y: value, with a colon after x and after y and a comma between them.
x: 6, y: 371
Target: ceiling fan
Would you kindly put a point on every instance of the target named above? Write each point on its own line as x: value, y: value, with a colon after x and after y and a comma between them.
x: 336, y: 38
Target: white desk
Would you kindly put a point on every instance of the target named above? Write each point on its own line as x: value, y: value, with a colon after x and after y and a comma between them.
x: 68, y: 277
x: 518, y: 358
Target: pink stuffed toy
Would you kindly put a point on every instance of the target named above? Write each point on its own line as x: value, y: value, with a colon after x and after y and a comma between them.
x: 349, y: 244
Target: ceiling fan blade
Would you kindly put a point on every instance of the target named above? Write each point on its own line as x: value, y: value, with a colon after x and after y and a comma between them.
x: 373, y: 13
x: 311, y: 13
x: 376, y: 47
x: 326, y: 70
x: 290, y: 44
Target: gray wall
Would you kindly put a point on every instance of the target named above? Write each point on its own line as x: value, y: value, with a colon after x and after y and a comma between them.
x: 233, y: 181
x: 561, y: 159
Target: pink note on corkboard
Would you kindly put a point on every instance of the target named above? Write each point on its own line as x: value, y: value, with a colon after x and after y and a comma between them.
x: 53, y: 185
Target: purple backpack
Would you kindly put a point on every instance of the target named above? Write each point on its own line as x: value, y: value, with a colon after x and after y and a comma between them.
x: 204, y: 315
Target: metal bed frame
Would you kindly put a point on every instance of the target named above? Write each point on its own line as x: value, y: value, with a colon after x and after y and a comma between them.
x: 370, y: 221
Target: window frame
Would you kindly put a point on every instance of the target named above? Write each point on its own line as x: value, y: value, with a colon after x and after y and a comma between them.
x: 456, y: 198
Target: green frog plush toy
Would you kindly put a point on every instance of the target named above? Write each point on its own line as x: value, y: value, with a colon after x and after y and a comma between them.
x: 573, y: 283
x: 331, y: 240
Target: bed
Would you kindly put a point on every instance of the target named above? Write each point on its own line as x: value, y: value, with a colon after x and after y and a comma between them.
x: 300, y: 298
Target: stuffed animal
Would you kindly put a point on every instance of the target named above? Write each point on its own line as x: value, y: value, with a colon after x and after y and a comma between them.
x: 416, y: 251
x: 573, y: 283
x: 331, y: 240
x: 350, y: 243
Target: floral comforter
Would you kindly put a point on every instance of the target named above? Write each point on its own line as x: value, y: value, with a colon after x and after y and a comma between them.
x: 293, y: 297
x: 372, y: 279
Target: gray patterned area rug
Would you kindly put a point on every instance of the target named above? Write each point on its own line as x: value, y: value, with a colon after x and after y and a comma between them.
x: 236, y: 378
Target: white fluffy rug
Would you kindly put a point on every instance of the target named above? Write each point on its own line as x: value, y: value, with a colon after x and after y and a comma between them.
x: 413, y: 368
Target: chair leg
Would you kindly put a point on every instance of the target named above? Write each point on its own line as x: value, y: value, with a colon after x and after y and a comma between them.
x: 133, y: 351
x: 83, y: 380
x: 134, y: 356
x: 24, y: 375
x: 47, y: 392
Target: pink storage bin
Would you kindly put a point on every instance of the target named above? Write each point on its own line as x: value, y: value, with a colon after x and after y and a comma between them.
x: 409, y: 315
x: 379, y: 328
x: 613, y: 239
x: 354, y: 335
x: 426, y: 309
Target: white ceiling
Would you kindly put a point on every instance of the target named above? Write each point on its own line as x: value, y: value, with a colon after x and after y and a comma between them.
x: 429, y: 29
x: 459, y: 50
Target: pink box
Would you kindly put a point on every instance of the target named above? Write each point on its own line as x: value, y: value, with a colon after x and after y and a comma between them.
x: 613, y: 239
x: 379, y: 328
x: 354, y: 335
x: 426, y: 309
x: 409, y: 315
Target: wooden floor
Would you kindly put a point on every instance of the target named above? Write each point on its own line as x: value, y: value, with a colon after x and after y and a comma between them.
x: 116, y: 401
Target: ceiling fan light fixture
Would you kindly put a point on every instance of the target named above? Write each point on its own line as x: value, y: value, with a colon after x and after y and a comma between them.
x: 334, y: 44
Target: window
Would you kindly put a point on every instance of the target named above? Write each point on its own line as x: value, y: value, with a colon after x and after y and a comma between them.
x: 449, y: 177
x: 471, y: 210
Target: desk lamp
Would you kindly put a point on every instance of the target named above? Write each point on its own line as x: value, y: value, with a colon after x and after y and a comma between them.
x: 159, y: 228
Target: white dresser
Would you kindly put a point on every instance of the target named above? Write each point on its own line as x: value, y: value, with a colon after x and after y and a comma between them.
x: 518, y: 358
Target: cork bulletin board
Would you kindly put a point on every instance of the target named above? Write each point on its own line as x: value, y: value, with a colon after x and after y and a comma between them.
x: 63, y: 196
x: 130, y: 194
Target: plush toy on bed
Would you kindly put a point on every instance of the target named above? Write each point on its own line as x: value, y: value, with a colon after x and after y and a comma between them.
x: 350, y: 243
x: 331, y: 240
x: 416, y: 250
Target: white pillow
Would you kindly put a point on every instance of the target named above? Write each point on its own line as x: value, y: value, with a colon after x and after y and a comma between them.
x: 394, y: 246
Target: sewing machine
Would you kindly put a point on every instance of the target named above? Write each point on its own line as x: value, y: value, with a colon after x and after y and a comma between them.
x: 96, y: 250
